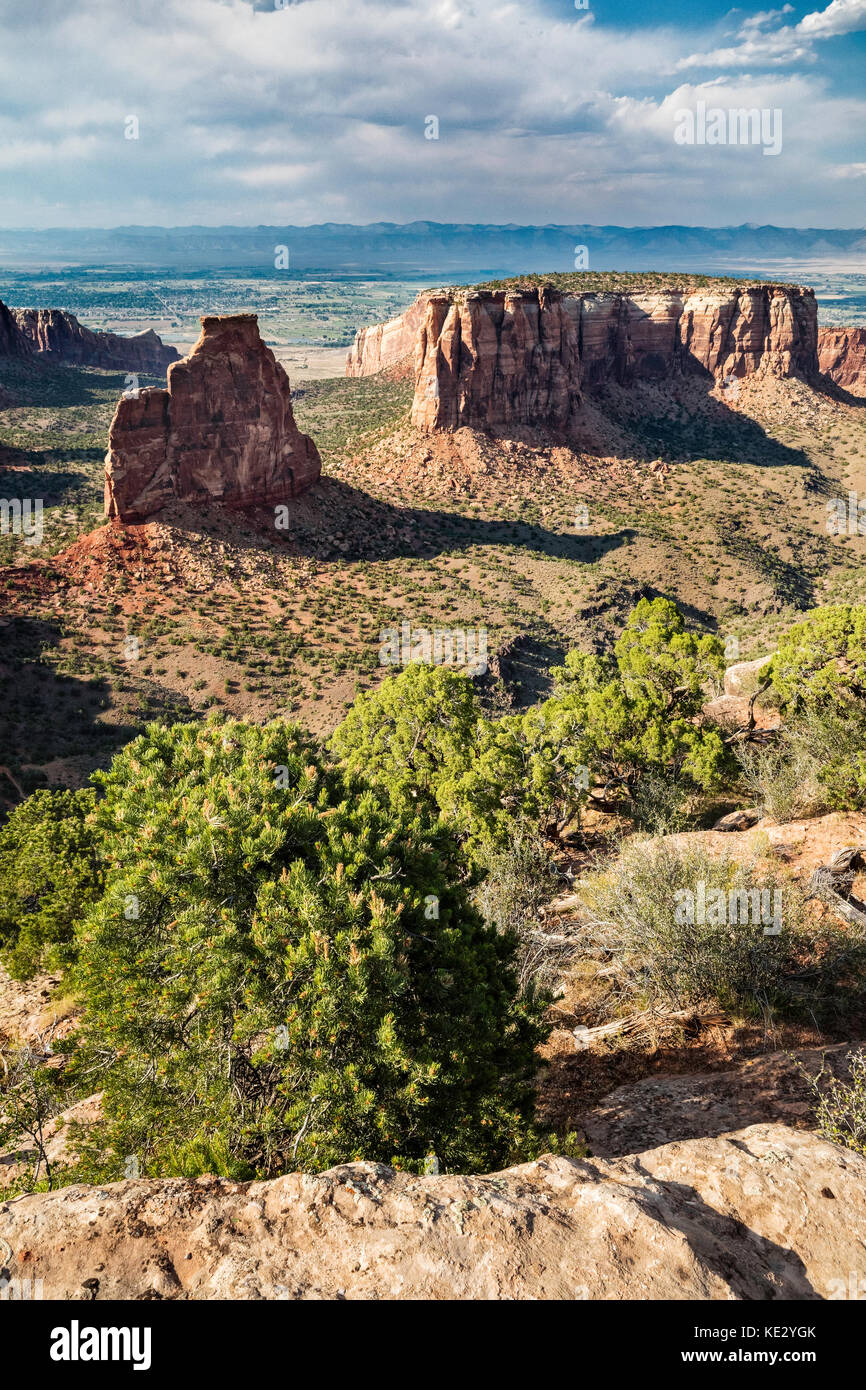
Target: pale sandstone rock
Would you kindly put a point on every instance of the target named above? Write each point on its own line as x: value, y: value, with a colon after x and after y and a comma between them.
x: 738, y: 820
x: 764, y: 1213
x: 802, y: 845
x: 744, y: 677
x: 386, y: 345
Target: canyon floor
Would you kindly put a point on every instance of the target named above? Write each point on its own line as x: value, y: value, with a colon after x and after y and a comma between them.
x: 717, y: 500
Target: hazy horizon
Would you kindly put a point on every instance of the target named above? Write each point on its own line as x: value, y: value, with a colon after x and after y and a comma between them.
x: 432, y: 250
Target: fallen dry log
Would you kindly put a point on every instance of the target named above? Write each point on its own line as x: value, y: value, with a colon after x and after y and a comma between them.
x: 646, y: 1024
x: 832, y: 883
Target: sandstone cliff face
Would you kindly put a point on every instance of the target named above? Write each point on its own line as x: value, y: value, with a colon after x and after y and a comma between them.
x: 223, y: 430
x: 54, y: 335
x: 12, y: 341
x: 386, y: 345
x: 524, y: 355
x: 842, y: 356
x: 57, y: 335
x: 764, y: 1213
x: 491, y: 359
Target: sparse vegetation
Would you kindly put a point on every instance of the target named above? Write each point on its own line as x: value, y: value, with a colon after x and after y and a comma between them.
x: 841, y: 1105
x: 358, y: 962
x: 677, y: 928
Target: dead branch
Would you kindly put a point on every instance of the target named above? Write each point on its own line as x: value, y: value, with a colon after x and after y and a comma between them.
x: 644, y: 1024
x: 832, y: 883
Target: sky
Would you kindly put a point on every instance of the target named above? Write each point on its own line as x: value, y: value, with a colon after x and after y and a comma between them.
x: 253, y: 112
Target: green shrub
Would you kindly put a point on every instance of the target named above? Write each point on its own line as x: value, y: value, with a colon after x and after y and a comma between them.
x: 609, y: 725
x: 817, y: 677
x: 285, y: 973
x: 50, y: 873
x: 817, y: 764
x: 841, y: 1107
x: 517, y: 882
x: 30, y: 1095
x: 639, y: 714
x: 659, y: 804
x: 822, y: 661
x: 413, y: 735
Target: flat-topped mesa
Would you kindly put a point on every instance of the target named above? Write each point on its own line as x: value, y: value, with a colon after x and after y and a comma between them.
x: 737, y: 331
x: 57, y: 336
x: 222, y: 431
x: 523, y: 355
x: 842, y: 356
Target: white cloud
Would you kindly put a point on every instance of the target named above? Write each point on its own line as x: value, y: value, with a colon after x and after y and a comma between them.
x: 764, y: 18
x: 785, y: 45
x: 317, y: 112
x: 840, y: 17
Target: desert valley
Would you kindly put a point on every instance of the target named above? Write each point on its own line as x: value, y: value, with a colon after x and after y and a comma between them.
x: 434, y: 846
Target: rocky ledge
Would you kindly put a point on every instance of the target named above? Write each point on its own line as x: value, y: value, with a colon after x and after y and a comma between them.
x: 387, y: 345
x: 767, y: 1212
x: 56, y: 336
x: 53, y: 335
x: 223, y: 431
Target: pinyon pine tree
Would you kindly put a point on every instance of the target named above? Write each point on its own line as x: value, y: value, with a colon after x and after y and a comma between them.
x: 285, y: 973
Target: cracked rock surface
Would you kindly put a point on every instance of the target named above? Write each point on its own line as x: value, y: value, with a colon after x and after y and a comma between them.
x: 766, y: 1212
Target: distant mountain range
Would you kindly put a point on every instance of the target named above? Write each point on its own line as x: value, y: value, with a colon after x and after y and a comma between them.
x: 438, y: 249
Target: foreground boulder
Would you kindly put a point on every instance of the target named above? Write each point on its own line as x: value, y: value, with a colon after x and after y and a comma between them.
x: 222, y: 431
x: 744, y: 678
x: 765, y: 1213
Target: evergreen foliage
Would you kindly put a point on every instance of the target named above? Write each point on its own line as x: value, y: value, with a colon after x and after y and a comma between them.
x: 286, y: 973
